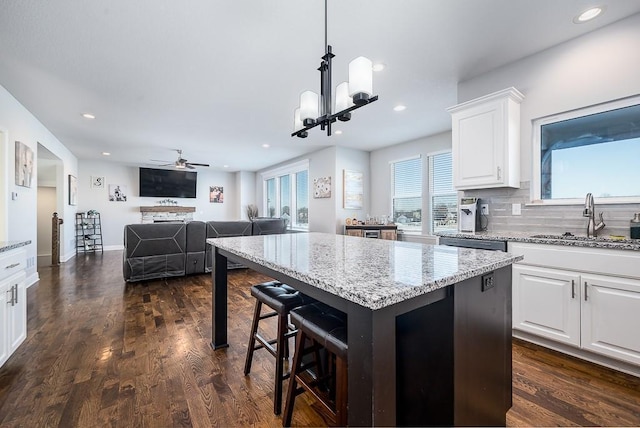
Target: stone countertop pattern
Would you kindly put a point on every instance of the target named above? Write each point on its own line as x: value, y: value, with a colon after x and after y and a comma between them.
x: 535, y: 238
x: 373, y: 273
x: 12, y: 245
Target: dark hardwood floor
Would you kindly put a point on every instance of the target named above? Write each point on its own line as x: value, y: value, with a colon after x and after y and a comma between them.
x: 101, y: 352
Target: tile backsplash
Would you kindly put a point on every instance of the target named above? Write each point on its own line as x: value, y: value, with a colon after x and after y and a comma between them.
x: 556, y: 219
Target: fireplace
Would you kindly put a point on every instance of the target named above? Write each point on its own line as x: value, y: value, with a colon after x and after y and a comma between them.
x: 166, y: 214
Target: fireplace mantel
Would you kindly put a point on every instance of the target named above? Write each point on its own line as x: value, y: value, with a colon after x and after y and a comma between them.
x: 161, y: 213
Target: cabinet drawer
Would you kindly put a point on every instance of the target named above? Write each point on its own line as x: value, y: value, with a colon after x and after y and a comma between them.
x: 12, y: 262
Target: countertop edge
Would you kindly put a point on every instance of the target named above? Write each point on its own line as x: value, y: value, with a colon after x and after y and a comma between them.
x: 12, y: 245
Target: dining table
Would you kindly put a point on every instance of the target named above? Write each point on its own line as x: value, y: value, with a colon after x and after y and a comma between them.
x: 428, y: 326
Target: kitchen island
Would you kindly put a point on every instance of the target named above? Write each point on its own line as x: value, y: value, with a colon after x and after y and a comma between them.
x: 429, y: 327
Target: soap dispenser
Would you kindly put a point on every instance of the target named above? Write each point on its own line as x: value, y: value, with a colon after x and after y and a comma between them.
x: 634, y: 231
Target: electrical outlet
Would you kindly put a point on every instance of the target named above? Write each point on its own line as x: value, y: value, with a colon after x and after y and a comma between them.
x: 487, y: 281
x: 484, y: 209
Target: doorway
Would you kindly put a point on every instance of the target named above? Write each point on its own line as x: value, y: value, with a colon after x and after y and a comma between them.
x: 49, y: 168
x: 4, y: 186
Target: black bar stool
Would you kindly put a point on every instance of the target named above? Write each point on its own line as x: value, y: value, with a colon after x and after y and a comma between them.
x: 326, y: 327
x: 282, y: 299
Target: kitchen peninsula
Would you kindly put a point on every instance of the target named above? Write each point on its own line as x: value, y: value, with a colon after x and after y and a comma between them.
x: 429, y: 327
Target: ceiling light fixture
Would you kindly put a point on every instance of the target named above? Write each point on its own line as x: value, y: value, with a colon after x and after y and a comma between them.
x: 88, y: 116
x: 351, y: 95
x: 106, y: 154
x: 378, y: 67
x: 338, y: 132
x: 400, y: 108
x: 588, y: 14
x: 266, y: 146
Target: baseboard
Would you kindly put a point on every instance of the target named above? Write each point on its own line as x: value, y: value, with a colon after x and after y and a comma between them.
x: 601, y: 360
x: 32, y: 279
x: 113, y: 248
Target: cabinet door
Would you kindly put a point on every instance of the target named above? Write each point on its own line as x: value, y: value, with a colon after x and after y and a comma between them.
x: 546, y: 302
x: 5, y: 297
x: 17, y: 313
x: 478, y: 145
x: 611, y: 317
x: 354, y: 232
x: 388, y: 234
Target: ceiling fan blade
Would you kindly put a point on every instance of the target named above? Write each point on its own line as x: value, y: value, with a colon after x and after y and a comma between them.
x: 198, y: 164
x: 188, y: 165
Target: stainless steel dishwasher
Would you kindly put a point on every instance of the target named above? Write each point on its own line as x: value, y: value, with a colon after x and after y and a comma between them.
x: 481, y: 244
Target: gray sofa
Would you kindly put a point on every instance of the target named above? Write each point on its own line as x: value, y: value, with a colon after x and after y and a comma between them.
x: 160, y: 250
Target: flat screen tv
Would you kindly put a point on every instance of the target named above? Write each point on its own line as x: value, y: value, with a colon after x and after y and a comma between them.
x: 167, y: 183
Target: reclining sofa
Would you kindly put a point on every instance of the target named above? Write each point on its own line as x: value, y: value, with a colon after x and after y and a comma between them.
x: 161, y: 250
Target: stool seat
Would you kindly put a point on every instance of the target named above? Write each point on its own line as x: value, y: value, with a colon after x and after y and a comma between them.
x: 281, y: 298
x: 325, y: 325
x: 278, y: 296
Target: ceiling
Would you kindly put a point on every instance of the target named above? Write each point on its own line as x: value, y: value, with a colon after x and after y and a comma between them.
x: 218, y: 79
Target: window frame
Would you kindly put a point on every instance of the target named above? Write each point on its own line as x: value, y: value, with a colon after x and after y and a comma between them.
x: 291, y: 170
x: 536, y: 178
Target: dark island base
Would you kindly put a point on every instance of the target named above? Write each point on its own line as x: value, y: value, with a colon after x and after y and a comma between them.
x: 455, y: 357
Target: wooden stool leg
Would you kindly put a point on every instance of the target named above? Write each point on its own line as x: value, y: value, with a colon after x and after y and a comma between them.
x: 280, y: 351
x: 341, y: 392
x: 291, y: 391
x: 252, y: 337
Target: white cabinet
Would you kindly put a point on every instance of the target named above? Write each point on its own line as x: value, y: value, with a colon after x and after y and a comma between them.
x: 546, y: 303
x: 486, y: 141
x: 13, y: 301
x: 593, y: 303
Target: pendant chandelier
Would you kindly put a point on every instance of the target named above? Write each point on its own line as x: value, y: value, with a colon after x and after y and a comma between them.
x: 317, y: 110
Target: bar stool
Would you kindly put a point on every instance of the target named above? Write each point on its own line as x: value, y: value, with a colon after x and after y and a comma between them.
x: 326, y: 327
x: 281, y: 298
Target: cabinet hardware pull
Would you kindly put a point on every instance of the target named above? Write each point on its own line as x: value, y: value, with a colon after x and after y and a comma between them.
x: 10, y: 302
x: 16, y: 298
x: 585, y: 291
x: 573, y: 289
x: 499, y: 173
x: 11, y: 266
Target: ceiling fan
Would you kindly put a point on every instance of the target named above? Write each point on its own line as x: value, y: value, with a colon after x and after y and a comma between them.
x: 181, y: 162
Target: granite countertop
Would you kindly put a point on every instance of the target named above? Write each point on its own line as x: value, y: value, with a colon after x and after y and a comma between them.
x: 535, y: 238
x: 374, y: 273
x: 12, y: 245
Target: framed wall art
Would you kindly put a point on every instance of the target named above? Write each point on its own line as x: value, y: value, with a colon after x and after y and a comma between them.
x: 216, y: 194
x: 117, y: 193
x: 73, y: 190
x: 97, y: 182
x: 24, y: 165
x: 353, y: 190
x: 322, y: 187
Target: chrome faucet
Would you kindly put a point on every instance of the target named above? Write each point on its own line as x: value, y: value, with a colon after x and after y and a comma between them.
x: 590, y: 211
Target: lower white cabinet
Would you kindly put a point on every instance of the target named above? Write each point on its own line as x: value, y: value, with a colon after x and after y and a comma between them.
x: 13, y: 305
x: 598, y: 312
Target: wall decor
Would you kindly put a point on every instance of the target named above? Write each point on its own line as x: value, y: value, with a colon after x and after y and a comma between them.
x: 73, y: 190
x: 24, y: 164
x: 216, y: 194
x: 322, y: 187
x: 117, y: 193
x: 97, y: 182
x: 353, y: 190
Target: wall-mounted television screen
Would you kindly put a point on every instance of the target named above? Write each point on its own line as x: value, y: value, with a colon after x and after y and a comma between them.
x: 167, y: 183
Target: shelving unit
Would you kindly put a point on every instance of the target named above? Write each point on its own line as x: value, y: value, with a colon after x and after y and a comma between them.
x: 88, y: 233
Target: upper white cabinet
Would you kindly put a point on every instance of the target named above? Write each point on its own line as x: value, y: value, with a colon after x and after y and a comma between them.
x: 486, y: 141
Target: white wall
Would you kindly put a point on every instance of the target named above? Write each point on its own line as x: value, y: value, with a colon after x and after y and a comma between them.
x: 20, y: 219
x: 115, y: 215
x: 246, y: 187
x: 601, y: 66
x: 381, y: 168
x: 352, y: 160
x: 46, y: 208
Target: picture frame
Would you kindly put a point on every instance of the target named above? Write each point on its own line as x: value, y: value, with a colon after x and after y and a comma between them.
x: 322, y: 187
x: 118, y: 193
x: 24, y: 164
x: 97, y: 182
x: 353, y: 187
x: 216, y: 194
x: 73, y: 190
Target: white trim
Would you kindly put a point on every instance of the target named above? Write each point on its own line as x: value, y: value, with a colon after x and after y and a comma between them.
x: 538, y: 123
x: 405, y: 159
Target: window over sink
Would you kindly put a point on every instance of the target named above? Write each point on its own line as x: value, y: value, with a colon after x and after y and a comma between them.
x: 590, y: 150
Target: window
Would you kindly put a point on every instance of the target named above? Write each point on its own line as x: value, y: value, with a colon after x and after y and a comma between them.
x: 591, y: 150
x: 407, y: 194
x: 286, y: 194
x: 444, y: 198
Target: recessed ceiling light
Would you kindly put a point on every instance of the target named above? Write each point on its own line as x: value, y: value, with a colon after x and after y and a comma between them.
x: 266, y: 146
x: 225, y: 166
x: 378, y: 67
x: 338, y: 132
x: 88, y: 116
x: 400, y: 107
x: 588, y: 14
x: 106, y: 154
